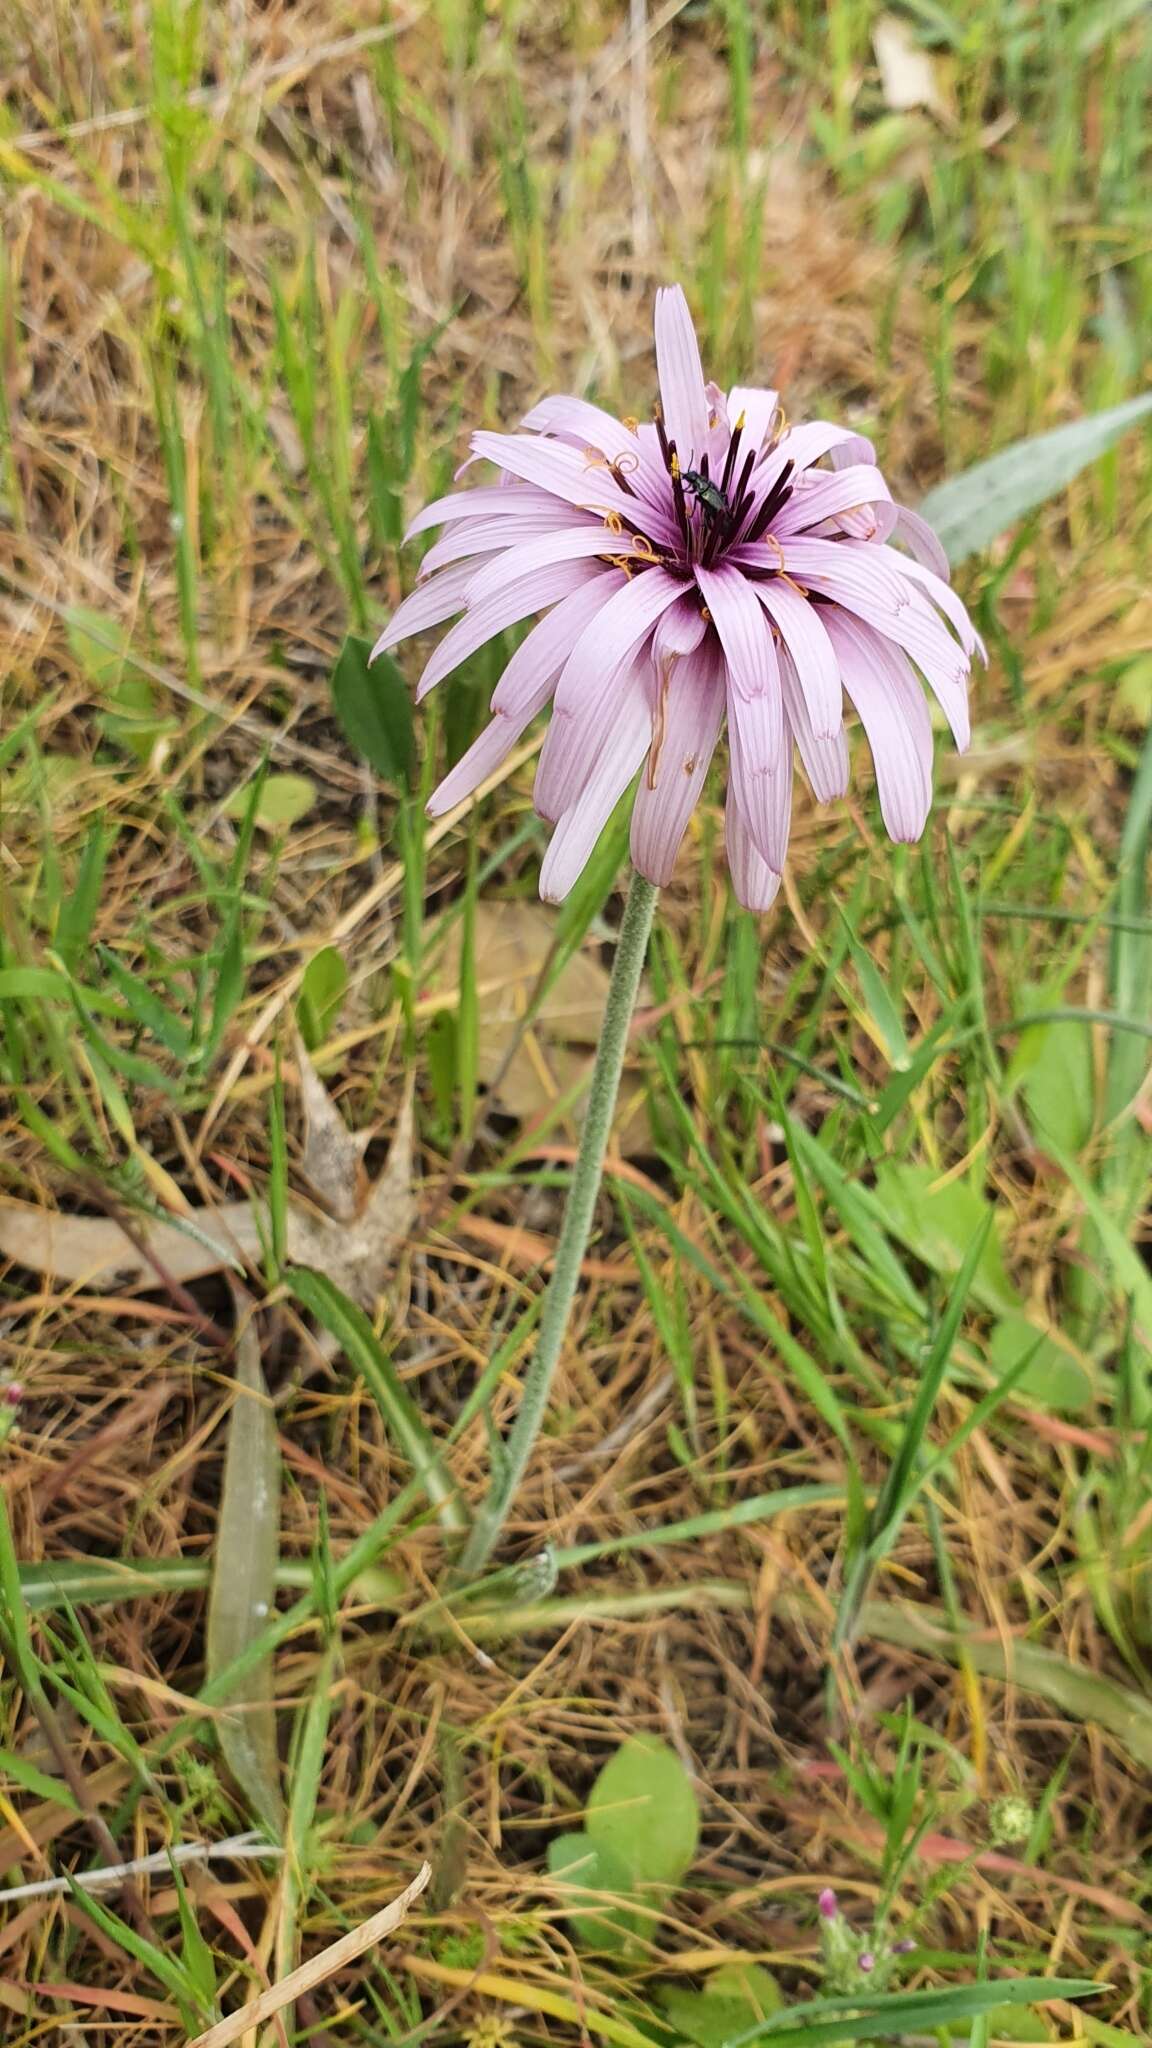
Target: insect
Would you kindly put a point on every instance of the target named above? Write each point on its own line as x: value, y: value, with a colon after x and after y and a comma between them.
x: 708, y: 493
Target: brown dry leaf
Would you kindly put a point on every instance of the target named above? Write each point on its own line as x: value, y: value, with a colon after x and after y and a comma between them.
x: 333, y: 1159
x: 244, y: 1560
x: 513, y: 941
x: 357, y: 1252
x: 909, y: 77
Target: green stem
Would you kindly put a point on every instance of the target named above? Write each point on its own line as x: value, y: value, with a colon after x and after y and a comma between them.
x: 572, y: 1243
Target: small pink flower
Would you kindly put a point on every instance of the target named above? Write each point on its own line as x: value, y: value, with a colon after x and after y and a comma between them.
x: 693, y: 569
x: 827, y: 1905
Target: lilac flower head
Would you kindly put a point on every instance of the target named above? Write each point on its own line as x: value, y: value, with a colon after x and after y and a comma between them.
x: 692, y: 569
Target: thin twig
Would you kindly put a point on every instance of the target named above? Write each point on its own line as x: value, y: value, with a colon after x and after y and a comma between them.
x: 110, y: 1876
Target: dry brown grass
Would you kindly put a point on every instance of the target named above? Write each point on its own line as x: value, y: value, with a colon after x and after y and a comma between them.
x: 475, y: 1753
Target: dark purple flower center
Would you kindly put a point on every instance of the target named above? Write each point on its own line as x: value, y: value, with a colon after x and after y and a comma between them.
x: 713, y: 513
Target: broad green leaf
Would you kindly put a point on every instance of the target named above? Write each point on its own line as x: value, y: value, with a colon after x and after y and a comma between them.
x: 132, y: 720
x: 243, y: 1589
x: 1054, y: 1378
x: 322, y: 991
x: 284, y: 800
x: 98, y: 644
x: 1129, y: 1272
x: 374, y: 705
x: 737, y: 1996
x: 643, y: 1807
x: 970, y: 510
x: 577, y: 1861
x: 750, y: 1982
x: 1053, y: 1063
x: 938, y: 1224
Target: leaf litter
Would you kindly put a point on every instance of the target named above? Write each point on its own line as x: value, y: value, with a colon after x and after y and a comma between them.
x: 353, y: 1237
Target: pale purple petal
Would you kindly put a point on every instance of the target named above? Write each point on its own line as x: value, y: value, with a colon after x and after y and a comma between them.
x: 760, y: 410
x: 895, y: 718
x: 611, y: 636
x: 854, y: 448
x: 570, y: 544
x: 825, y: 760
x: 870, y: 522
x: 760, y: 753
x: 483, y: 621
x: 484, y: 756
x: 479, y: 504
x: 755, y: 883
x: 621, y: 753
x: 589, y: 427
x: 805, y: 445
x: 682, y: 394
x: 568, y: 474
x: 591, y: 683
x: 849, y: 571
x: 820, y: 496
x: 687, y: 728
x: 429, y: 605
x: 680, y: 630
x: 546, y: 648
x: 921, y: 541
x: 486, y: 536
x: 872, y: 583
x: 810, y: 649
x: 746, y: 637
x: 945, y: 598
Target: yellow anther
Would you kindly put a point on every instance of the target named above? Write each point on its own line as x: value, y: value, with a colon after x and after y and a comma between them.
x: 632, y: 425
x: 644, y: 548
x: 674, y: 465
x: 741, y: 423
x: 613, y: 522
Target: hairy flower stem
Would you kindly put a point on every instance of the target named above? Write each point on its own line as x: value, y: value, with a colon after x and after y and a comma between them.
x: 631, y: 949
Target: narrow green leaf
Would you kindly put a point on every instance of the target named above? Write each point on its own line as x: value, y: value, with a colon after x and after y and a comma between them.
x: 969, y: 511
x: 35, y: 982
x: 244, y: 1578
x: 351, y: 1327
